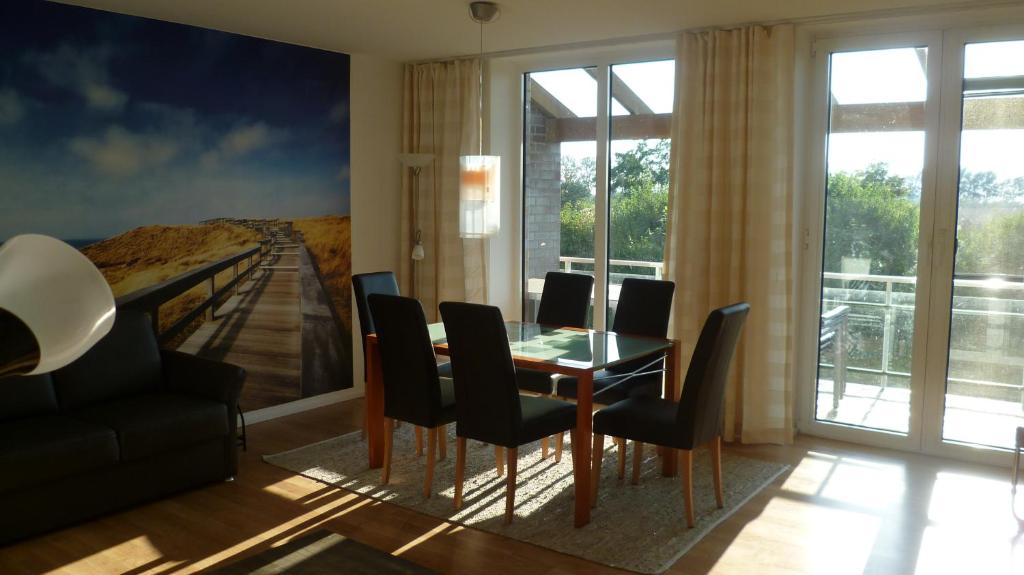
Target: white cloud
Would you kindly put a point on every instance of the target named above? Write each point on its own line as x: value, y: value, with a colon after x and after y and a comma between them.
x: 239, y: 142
x: 12, y: 109
x: 103, y: 97
x: 120, y: 153
x: 82, y: 71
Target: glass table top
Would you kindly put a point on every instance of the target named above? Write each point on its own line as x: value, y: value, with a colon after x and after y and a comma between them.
x: 569, y: 348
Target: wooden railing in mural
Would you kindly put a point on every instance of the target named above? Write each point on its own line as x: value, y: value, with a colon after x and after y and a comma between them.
x: 149, y: 299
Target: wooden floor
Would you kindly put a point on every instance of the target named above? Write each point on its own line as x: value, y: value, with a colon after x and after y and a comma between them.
x: 840, y: 509
x: 259, y: 329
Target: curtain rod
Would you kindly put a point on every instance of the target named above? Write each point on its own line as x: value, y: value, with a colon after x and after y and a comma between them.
x: 806, y: 20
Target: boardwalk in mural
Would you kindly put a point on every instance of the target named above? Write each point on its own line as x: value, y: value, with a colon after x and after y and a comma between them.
x: 278, y: 326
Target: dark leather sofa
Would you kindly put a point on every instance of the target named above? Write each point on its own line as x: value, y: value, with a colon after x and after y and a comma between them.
x: 125, y: 423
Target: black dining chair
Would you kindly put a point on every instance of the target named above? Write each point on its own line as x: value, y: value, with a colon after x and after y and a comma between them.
x: 365, y: 285
x: 488, y: 406
x: 643, y: 309
x: 413, y: 391
x: 696, y: 420
x: 564, y: 302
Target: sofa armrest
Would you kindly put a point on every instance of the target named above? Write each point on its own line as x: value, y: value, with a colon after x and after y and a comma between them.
x: 206, y: 378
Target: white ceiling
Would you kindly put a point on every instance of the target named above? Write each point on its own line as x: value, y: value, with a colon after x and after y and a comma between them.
x: 427, y: 29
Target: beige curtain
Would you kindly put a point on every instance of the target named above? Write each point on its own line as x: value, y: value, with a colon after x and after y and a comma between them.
x: 440, y: 116
x: 731, y: 221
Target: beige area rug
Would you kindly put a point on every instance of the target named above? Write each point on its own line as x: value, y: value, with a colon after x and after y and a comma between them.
x: 635, y: 527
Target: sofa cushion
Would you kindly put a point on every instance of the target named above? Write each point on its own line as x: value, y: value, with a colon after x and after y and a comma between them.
x: 158, y: 422
x: 126, y: 362
x: 41, y: 449
x: 27, y: 396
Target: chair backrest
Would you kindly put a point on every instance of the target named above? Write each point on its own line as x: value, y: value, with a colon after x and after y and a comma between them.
x: 565, y: 301
x: 409, y: 368
x: 643, y: 309
x: 363, y: 285
x: 699, y: 418
x: 486, y: 396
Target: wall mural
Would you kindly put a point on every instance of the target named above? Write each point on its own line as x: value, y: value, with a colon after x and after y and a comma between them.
x: 187, y: 162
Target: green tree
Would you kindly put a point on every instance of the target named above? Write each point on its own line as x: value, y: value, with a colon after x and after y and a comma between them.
x: 981, y: 187
x: 579, y: 180
x: 577, y: 229
x: 992, y: 247
x: 639, y: 203
x: 872, y: 215
x: 645, y: 163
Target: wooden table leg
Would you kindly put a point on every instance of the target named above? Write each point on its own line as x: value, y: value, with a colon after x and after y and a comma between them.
x: 374, y: 404
x: 584, y: 428
x: 669, y: 463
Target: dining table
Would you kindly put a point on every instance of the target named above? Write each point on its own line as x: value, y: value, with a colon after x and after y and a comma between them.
x: 558, y: 350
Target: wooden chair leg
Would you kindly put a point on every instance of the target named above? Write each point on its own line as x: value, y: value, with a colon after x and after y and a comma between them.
x: 597, y: 457
x: 389, y: 441
x: 559, y: 444
x: 638, y: 457
x: 499, y: 460
x: 419, y: 440
x: 686, y: 470
x: 442, y: 442
x: 510, y: 483
x: 431, y: 451
x: 544, y: 448
x: 622, y: 457
x: 716, y: 469
x: 460, y: 469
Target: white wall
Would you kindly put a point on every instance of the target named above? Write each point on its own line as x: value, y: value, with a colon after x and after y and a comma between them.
x: 376, y: 108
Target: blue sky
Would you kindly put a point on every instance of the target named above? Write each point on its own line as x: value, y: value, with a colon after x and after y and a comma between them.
x: 111, y: 122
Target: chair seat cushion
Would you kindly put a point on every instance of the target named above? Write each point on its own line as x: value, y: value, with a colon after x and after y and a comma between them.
x: 40, y: 449
x: 156, y: 423
x: 543, y: 417
x: 535, y: 381
x: 645, y: 419
x: 606, y: 392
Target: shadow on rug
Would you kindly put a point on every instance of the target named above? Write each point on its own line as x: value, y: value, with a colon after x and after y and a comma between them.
x: 636, y: 527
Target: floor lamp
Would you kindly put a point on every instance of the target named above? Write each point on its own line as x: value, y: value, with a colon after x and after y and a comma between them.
x: 416, y: 163
x: 54, y: 305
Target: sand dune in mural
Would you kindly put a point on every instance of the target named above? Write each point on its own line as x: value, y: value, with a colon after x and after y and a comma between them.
x: 328, y: 240
x: 152, y: 254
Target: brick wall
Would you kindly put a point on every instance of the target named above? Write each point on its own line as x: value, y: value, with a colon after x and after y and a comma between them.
x: 542, y: 177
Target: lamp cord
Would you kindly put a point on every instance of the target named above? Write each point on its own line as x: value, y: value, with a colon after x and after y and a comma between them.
x: 480, y: 90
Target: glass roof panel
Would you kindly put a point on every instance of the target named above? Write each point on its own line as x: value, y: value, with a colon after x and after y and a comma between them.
x: 653, y: 82
x: 576, y: 90
x: 994, y: 59
x: 878, y: 77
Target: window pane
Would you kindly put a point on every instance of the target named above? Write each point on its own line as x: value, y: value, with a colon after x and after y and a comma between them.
x: 559, y: 177
x: 869, y: 279
x: 638, y: 173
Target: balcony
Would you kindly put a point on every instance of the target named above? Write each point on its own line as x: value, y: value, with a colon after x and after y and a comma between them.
x: 985, y: 384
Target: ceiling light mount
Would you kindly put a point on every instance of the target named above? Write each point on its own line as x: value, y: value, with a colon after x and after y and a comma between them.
x: 484, y: 12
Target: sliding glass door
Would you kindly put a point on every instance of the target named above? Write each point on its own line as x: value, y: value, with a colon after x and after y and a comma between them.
x: 559, y: 177
x: 875, y: 163
x: 920, y: 339
x: 595, y: 176
x: 984, y: 383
